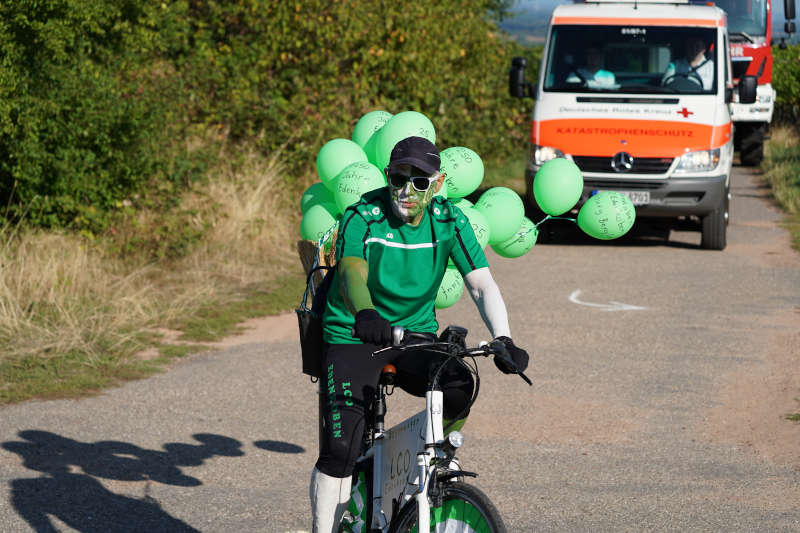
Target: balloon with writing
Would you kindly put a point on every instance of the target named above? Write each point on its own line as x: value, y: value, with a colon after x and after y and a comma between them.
x: 354, y: 180
x: 480, y: 226
x: 400, y: 126
x: 504, y: 210
x: 317, y: 220
x: 334, y: 156
x: 607, y: 215
x: 463, y: 170
x: 521, y: 243
x: 368, y: 125
x: 450, y: 289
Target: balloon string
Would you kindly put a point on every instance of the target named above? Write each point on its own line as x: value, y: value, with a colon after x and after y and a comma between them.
x: 548, y: 217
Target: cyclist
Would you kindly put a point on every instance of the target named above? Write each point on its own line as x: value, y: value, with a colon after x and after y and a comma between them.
x: 392, y: 249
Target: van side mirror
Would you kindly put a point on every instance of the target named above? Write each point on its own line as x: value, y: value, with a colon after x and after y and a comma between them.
x: 728, y: 95
x: 747, y: 89
x: 517, y: 86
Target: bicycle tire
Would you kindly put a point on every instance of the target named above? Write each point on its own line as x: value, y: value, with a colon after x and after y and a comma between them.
x: 465, y: 509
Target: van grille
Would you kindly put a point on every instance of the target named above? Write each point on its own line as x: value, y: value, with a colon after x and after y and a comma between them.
x: 641, y: 185
x: 641, y: 165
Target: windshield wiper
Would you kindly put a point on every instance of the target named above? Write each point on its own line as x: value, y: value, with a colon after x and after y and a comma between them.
x: 746, y: 36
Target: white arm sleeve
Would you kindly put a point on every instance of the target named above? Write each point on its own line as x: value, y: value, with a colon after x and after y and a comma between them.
x: 486, y: 294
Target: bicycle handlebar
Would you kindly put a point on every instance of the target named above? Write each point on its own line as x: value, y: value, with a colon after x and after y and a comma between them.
x: 496, y: 348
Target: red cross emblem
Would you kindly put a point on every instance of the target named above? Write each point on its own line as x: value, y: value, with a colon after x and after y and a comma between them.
x: 685, y: 112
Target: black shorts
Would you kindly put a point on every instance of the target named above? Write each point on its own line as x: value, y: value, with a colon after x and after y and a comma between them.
x: 349, y: 377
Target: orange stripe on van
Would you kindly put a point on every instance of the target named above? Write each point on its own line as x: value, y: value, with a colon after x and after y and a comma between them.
x: 617, y: 21
x: 640, y: 138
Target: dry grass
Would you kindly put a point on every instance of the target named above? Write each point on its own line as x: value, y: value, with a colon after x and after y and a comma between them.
x: 57, y: 294
x: 782, y: 171
x: 65, y: 297
x: 251, y: 226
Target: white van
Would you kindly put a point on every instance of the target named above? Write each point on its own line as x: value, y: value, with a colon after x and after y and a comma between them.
x: 638, y: 95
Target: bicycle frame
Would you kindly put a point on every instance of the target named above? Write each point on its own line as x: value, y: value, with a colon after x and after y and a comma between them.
x: 402, y: 465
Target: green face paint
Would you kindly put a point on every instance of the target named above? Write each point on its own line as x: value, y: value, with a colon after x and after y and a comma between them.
x: 409, y: 204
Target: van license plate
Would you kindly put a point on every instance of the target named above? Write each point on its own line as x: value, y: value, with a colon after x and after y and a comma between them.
x: 637, y: 197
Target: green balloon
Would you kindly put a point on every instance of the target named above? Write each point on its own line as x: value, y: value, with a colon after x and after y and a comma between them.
x: 480, y: 226
x: 316, y: 194
x: 317, y: 220
x: 521, y: 243
x: 463, y: 169
x: 450, y: 289
x: 368, y: 125
x: 400, y: 126
x: 355, y: 180
x: 504, y: 210
x: 334, y: 156
x: 557, y: 186
x: 461, y: 203
x: 607, y: 215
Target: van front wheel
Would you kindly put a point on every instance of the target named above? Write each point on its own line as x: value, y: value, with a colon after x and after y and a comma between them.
x: 714, y: 229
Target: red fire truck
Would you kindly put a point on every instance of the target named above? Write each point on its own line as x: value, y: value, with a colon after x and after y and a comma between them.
x: 751, y: 36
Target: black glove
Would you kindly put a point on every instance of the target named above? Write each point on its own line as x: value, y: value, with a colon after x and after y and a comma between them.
x: 518, y: 356
x: 372, y: 328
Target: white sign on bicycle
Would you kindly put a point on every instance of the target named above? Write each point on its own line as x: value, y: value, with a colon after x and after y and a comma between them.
x: 401, y: 444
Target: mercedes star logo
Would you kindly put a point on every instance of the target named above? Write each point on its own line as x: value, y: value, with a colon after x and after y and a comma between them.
x: 622, y: 162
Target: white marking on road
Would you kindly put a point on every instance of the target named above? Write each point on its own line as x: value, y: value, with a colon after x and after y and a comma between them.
x: 610, y: 306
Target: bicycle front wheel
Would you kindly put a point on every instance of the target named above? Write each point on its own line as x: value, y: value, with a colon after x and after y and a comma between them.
x: 465, y: 509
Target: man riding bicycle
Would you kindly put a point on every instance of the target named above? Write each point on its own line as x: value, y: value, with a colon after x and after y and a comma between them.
x: 392, y: 249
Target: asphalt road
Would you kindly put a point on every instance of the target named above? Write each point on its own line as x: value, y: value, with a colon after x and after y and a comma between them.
x: 664, y: 414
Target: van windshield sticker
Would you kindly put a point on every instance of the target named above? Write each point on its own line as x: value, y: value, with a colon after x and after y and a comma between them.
x: 633, y: 31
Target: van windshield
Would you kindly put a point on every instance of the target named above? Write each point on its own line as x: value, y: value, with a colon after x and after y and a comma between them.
x: 631, y: 59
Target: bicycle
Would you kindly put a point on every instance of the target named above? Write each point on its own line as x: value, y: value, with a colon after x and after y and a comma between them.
x: 419, y: 485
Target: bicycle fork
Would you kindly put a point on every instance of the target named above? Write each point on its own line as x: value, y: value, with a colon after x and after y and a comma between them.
x: 425, y: 459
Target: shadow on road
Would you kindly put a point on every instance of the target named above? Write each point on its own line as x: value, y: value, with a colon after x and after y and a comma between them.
x: 278, y: 446
x: 70, y: 492
x: 645, y: 232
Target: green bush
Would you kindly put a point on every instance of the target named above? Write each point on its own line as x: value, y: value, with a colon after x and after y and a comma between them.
x: 81, y: 127
x: 786, y: 81
x: 98, y: 96
x: 302, y: 73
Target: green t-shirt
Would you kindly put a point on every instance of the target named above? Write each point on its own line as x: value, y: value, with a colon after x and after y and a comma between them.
x: 406, y: 263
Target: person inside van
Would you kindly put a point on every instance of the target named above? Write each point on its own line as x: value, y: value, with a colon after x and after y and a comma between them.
x: 592, y: 73
x: 695, y: 66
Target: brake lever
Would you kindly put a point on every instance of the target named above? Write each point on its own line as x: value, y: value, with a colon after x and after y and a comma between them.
x: 398, y: 335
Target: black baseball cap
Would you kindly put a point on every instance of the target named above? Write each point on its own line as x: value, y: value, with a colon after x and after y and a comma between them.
x: 418, y: 152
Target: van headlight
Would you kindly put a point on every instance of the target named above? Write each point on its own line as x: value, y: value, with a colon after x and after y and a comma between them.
x: 542, y: 154
x: 700, y: 161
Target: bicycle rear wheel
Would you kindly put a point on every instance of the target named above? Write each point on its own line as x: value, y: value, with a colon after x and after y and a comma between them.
x: 465, y: 509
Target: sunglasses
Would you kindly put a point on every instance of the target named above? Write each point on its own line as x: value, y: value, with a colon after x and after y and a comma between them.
x: 419, y: 183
